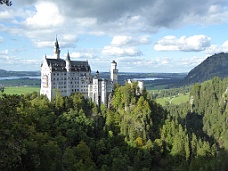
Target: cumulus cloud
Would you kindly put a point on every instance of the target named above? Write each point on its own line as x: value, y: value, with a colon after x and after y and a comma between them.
x: 129, y: 40
x: 162, y: 61
x: 118, y: 51
x: 108, y: 17
x: 193, y: 43
x: 47, y: 15
x: 192, y: 61
x: 225, y: 46
x: 125, y: 46
x: 10, y: 62
x: 5, y: 15
x: 217, y: 49
x: 159, y: 64
x: 83, y: 55
x: 48, y: 18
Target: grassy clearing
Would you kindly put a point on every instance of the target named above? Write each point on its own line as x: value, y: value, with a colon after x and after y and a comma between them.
x: 20, y: 90
x: 182, y: 98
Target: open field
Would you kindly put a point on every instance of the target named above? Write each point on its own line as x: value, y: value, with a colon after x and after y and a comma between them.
x: 20, y: 90
x: 182, y: 98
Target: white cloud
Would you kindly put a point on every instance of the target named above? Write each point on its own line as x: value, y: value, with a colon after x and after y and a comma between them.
x: 129, y: 40
x: 104, y: 17
x: 5, y: 15
x: 84, y: 55
x: 118, y: 51
x: 42, y: 44
x: 225, y: 46
x: 159, y: 64
x: 193, y: 43
x: 121, y: 40
x: 217, y: 49
x: 4, y: 52
x: 191, y: 62
x: 47, y: 15
x: 162, y: 61
x: 213, y: 49
x: 122, y: 46
x: 9, y: 62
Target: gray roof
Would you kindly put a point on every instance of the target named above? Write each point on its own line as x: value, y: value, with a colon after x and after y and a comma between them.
x: 60, y: 65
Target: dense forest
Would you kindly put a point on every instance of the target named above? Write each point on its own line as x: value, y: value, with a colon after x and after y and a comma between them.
x: 133, y: 133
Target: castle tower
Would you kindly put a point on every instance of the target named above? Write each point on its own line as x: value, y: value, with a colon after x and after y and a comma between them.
x: 56, y: 49
x: 114, y: 72
x: 68, y: 81
x: 68, y: 65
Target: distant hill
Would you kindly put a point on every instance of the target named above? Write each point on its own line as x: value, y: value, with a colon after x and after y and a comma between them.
x: 215, y: 65
x: 4, y: 73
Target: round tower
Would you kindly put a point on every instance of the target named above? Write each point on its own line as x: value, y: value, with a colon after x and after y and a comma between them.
x: 114, y: 72
x: 68, y: 65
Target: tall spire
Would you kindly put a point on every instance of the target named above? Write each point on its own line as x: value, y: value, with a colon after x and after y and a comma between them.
x: 56, y: 49
x: 56, y: 42
x: 68, y: 56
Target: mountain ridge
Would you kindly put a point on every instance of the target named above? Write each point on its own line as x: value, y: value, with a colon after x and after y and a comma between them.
x: 215, y: 65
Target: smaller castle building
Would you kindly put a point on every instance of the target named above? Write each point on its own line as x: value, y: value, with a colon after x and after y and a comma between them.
x: 100, y: 89
x: 140, y: 85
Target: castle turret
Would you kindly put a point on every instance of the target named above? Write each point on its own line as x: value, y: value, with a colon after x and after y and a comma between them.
x: 68, y: 68
x: 114, y: 72
x: 68, y: 65
x: 97, y: 74
x: 56, y: 49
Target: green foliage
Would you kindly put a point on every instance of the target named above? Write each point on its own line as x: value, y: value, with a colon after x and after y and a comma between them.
x: 135, y: 133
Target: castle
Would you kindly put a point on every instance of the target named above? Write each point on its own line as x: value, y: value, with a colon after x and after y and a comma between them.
x: 68, y: 77
x: 100, y: 89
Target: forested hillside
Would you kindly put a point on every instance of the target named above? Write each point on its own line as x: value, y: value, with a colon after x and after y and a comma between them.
x: 215, y: 65
x: 134, y: 133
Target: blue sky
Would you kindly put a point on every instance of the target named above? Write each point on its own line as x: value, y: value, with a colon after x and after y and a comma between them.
x: 142, y: 36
